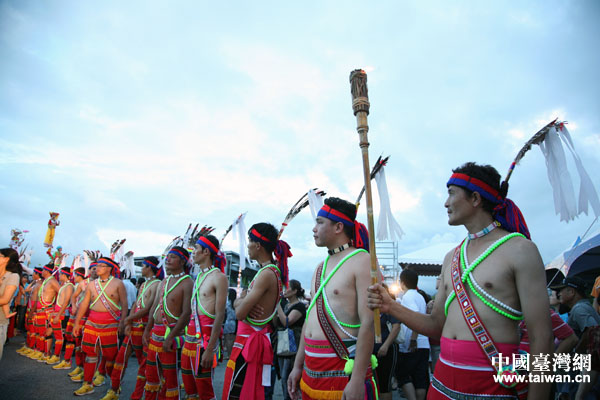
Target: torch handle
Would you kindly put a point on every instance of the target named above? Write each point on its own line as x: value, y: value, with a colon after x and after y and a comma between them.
x: 361, y: 105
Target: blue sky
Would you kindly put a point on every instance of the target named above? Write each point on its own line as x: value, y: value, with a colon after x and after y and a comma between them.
x: 134, y: 119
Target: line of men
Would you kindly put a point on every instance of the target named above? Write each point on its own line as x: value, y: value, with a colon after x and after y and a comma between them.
x: 334, y: 358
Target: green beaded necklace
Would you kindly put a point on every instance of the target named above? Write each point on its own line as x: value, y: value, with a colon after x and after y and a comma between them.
x: 466, y: 277
x: 324, y: 283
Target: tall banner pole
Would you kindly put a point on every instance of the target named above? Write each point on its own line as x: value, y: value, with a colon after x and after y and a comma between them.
x: 361, y: 105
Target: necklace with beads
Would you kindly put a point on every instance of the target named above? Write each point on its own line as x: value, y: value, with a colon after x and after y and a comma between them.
x: 182, y: 273
x: 484, y: 231
x: 338, y: 249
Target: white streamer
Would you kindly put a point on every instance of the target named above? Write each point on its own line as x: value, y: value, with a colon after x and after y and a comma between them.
x: 587, y: 191
x: 315, y: 202
x: 387, y: 226
x: 239, y: 229
x: 565, y: 202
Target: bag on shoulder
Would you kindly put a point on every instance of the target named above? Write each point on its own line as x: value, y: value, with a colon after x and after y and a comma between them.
x: 286, y: 342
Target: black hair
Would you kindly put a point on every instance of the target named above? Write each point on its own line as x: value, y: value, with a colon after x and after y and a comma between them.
x: 346, y: 208
x: 268, y: 231
x: 215, y: 242
x: 49, y: 265
x: 140, y: 281
x: 13, y: 264
x: 232, y: 295
x: 487, y: 174
x: 409, y: 278
x: 80, y: 270
x: 183, y: 250
x: 133, y: 280
x: 295, y: 285
x: 426, y: 297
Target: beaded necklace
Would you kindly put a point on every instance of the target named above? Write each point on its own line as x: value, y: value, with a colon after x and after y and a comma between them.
x: 466, y: 277
x: 339, y: 249
x: 484, y: 231
x: 465, y: 265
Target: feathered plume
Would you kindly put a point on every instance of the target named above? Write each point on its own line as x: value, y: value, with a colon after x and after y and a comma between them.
x: 297, y: 207
x: 204, y: 231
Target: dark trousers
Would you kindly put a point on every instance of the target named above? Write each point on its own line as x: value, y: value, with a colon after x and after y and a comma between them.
x: 21, y: 317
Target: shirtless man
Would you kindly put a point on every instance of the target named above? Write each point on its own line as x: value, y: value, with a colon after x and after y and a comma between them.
x: 248, y: 361
x: 208, y: 312
x: 31, y: 321
x: 507, y: 266
x: 81, y: 283
x: 169, y: 316
x: 105, y: 297
x: 135, y: 324
x: 63, y: 300
x: 342, y: 287
x: 46, y: 298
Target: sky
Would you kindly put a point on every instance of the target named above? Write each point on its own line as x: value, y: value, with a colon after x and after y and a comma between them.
x: 134, y: 119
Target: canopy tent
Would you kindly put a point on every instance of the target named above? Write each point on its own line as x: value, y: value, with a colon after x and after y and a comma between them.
x: 582, y: 259
x: 427, y: 261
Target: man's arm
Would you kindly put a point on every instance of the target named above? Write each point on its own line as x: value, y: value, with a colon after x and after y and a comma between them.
x: 155, y: 303
x: 85, y: 303
x: 296, y: 373
x: 123, y: 303
x: 9, y: 291
x: 221, y: 290
x: 259, y: 288
x: 531, y: 287
x: 75, y: 295
x: 366, y: 335
x: 430, y: 325
x: 566, y: 345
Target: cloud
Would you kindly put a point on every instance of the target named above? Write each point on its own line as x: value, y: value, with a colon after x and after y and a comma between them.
x: 143, y: 243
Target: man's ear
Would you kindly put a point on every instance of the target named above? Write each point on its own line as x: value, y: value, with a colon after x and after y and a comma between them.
x: 338, y: 228
x: 476, y: 199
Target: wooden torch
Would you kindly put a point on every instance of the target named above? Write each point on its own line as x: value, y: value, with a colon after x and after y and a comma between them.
x: 360, y: 105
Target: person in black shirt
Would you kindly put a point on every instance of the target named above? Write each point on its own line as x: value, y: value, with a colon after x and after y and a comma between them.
x: 291, y: 315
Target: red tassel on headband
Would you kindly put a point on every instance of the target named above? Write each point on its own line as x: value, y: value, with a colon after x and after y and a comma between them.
x: 220, y: 261
x: 282, y: 253
x: 361, y: 236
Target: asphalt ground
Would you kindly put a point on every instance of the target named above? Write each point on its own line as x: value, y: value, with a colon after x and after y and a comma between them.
x: 22, y: 378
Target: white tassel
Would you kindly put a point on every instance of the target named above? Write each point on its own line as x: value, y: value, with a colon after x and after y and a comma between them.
x: 565, y: 202
x: 63, y: 261
x: 315, y: 202
x: 86, y: 262
x: 77, y: 262
x: 239, y: 229
x: 587, y: 191
x: 387, y: 226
